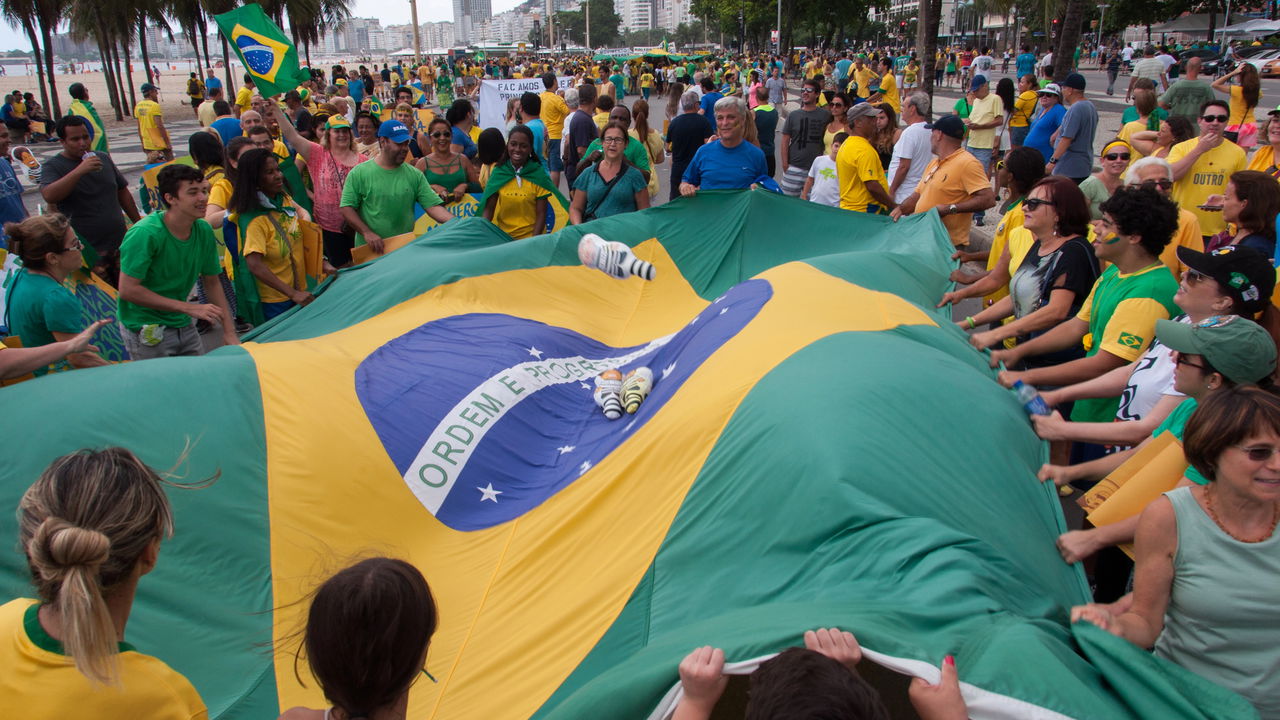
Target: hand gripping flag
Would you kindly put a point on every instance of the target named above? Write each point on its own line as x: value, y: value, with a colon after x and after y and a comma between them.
x: 820, y: 447
x: 264, y: 49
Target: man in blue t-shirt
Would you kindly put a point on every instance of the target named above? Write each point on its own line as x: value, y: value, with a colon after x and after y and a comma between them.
x: 728, y: 162
x: 11, y: 207
x: 842, y: 69
x: 1050, y: 117
x: 708, y: 102
x: 1073, y: 152
x: 1026, y: 62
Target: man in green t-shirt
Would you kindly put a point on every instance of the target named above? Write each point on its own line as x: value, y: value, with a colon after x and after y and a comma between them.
x: 160, y: 259
x: 1117, y: 320
x: 378, y: 197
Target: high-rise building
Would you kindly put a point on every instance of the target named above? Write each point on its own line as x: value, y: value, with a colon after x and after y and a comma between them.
x: 438, y: 35
x: 467, y: 16
x: 635, y: 14
x: 670, y: 14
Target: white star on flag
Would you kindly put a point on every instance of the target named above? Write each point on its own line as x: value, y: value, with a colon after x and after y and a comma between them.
x: 566, y: 449
x: 585, y: 466
x: 535, y: 352
x: 488, y: 493
x: 584, y: 386
x: 724, y: 310
x: 666, y: 371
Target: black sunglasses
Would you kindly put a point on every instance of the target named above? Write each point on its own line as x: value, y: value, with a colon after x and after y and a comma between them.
x: 1214, y: 118
x: 1033, y: 203
x: 1163, y: 184
x: 1116, y: 156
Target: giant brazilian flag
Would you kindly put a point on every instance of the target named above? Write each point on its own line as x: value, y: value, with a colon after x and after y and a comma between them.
x: 821, y: 447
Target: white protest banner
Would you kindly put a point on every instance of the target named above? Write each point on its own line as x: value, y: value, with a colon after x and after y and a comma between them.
x: 494, y: 95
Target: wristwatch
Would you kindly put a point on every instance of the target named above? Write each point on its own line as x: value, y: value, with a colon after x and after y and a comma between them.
x: 1053, y: 160
x: 951, y: 209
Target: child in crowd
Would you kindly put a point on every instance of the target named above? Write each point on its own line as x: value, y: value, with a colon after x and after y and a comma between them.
x: 823, y: 184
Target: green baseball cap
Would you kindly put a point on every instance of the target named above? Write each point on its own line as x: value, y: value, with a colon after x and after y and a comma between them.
x: 1235, y: 346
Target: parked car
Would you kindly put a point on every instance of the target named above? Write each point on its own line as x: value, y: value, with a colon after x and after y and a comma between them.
x: 1210, y: 60
x: 1269, y: 65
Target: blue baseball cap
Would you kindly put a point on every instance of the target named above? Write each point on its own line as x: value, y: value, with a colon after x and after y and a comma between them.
x: 395, y: 131
x: 978, y: 81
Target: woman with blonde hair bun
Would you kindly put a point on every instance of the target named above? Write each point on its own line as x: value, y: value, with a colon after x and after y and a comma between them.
x: 90, y: 528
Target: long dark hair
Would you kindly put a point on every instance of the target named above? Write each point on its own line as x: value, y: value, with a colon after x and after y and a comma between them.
x: 206, y: 150
x: 1007, y: 93
x: 490, y: 147
x: 244, y: 198
x: 367, y: 633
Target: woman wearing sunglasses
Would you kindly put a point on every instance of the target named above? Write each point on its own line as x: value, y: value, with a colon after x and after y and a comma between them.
x: 447, y: 171
x: 1250, y: 205
x: 1208, y: 556
x: 368, y: 631
x: 41, y: 310
x: 1099, y: 186
x: 840, y: 102
x: 1052, y: 274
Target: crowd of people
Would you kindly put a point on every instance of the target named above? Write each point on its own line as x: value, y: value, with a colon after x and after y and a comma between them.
x: 1131, y: 286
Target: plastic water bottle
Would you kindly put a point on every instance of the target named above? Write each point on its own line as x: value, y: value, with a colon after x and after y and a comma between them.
x: 1030, y: 399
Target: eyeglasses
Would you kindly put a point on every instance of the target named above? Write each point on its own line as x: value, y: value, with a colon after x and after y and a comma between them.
x: 613, y: 140
x: 77, y: 245
x: 1116, y: 156
x: 441, y: 134
x: 1214, y: 118
x: 1033, y: 203
x: 1258, y: 453
x: 1194, y: 277
x: 1163, y: 183
x: 1180, y: 359
x: 836, y: 104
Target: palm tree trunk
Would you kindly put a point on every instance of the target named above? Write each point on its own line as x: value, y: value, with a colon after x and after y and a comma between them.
x: 927, y: 40
x: 142, y: 43
x: 195, y: 46
x: 46, y: 34
x: 1068, y: 39
x: 128, y: 72
x: 226, y: 64
x: 35, y: 51
x: 109, y: 73
x: 204, y: 41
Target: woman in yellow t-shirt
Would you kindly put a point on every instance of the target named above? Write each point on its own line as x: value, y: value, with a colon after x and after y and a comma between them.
x: 516, y: 196
x: 1264, y: 160
x: 1242, y: 126
x: 652, y: 140
x: 272, y: 237
x: 90, y: 528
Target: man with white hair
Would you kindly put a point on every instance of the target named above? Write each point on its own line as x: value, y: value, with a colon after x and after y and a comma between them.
x: 913, y: 151
x: 728, y: 162
x: 687, y: 132
x: 1157, y: 173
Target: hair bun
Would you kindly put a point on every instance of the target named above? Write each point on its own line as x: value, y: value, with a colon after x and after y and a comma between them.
x: 58, y: 546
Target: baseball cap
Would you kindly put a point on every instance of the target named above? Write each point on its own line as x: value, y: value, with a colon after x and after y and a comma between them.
x: 340, y: 81
x: 1051, y: 89
x: 337, y: 121
x: 1074, y: 81
x: 862, y: 109
x: 978, y: 81
x: 395, y: 131
x: 948, y: 125
x: 1244, y: 273
x: 147, y: 87
x: 1235, y: 346
x: 1274, y: 112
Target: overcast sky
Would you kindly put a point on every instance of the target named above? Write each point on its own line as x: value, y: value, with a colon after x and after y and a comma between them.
x: 395, y: 12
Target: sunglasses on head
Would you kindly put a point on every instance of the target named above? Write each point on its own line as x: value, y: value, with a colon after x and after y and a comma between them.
x: 1116, y: 156
x: 1214, y: 118
x: 1033, y: 203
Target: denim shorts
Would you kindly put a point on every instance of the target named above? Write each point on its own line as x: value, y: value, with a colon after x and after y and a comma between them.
x: 555, y: 163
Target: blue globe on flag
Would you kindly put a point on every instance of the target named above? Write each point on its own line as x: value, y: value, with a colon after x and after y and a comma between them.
x: 259, y: 57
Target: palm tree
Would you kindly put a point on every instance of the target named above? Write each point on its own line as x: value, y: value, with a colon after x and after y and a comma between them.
x: 48, y: 14
x: 1068, y: 38
x: 22, y: 14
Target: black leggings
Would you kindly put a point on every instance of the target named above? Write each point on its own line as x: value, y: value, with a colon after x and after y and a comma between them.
x: 337, y: 246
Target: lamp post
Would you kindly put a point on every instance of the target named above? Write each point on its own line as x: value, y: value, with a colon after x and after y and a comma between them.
x: 1097, y: 43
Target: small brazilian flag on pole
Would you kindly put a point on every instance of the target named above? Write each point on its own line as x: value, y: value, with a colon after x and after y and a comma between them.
x: 264, y: 49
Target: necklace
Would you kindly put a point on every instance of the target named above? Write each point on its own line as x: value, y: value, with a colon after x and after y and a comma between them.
x: 1275, y: 516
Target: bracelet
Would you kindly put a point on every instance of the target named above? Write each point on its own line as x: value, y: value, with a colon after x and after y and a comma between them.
x: 972, y: 324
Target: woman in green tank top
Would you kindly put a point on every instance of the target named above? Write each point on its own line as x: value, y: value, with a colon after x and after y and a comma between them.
x: 448, y: 172
x: 1208, y: 557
